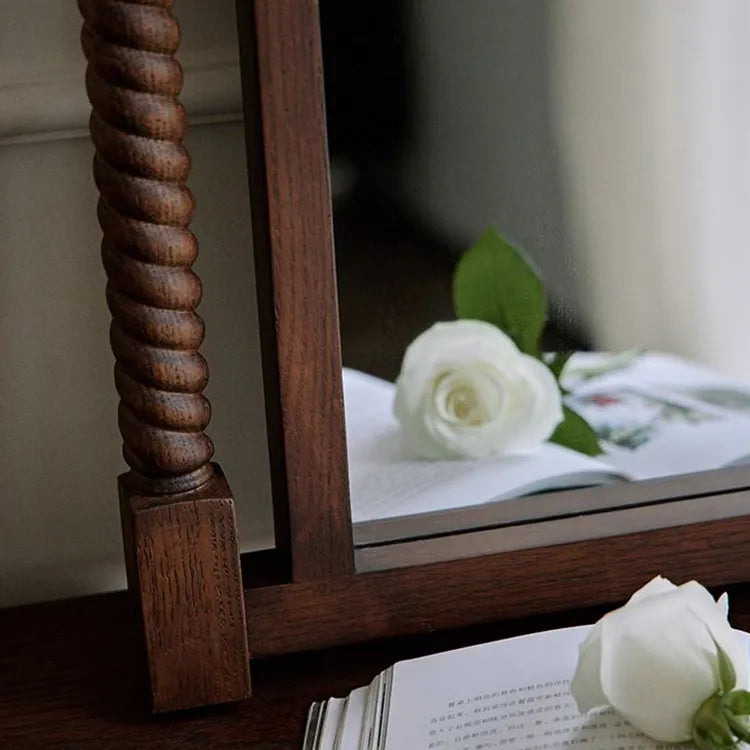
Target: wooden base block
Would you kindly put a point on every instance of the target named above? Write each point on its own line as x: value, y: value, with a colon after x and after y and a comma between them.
x: 183, y: 565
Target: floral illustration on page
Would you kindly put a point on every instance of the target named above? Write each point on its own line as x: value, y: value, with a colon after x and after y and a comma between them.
x: 629, y: 419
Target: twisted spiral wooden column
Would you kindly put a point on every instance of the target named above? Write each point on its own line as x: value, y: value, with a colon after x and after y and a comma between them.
x: 137, y: 126
x: 179, y: 528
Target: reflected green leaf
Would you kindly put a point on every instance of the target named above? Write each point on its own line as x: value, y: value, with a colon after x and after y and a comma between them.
x: 576, y: 433
x: 495, y: 283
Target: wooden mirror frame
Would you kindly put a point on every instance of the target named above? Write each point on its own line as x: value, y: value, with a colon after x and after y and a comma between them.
x: 204, y: 611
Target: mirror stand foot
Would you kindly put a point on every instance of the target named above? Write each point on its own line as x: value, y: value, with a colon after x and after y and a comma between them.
x: 183, y: 568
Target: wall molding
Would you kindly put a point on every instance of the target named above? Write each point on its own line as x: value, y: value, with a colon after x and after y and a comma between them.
x: 52, y: 105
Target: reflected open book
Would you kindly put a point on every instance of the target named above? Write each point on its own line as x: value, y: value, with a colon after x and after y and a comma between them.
x: 512, y: 693
x: 656, y: 416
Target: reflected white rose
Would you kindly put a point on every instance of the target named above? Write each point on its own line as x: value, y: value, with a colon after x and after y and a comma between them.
x: 656, y: 660
x: 466, y: 391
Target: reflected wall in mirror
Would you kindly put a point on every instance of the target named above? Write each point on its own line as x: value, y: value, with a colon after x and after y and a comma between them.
x: 607, y: 141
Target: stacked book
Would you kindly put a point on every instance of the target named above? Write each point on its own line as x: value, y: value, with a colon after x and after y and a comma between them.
x: 512, y: 693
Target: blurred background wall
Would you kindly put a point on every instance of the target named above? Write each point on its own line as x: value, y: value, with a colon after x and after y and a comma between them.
x: 482, y: 145
x: 59, y: 446
x: 610, y: 140
x: 653, y: 122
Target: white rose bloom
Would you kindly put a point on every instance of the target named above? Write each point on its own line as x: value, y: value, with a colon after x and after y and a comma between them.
x: 466, y: 391
x: 655, y: 660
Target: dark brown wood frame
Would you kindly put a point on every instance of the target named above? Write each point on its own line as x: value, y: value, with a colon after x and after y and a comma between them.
x: 205, y: 612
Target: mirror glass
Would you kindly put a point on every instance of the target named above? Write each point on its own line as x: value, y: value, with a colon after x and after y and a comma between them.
x: 606, y: 141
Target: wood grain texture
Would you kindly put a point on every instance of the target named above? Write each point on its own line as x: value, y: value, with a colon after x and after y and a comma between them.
x: 293, y: 241
x: 183, y: 564
x: 72, y: 680
x: 140, y: 168
x: 474, y: 590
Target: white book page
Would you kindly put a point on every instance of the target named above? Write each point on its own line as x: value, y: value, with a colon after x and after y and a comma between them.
x: 373, y: 714
x: 385, y: 483
x: 512, y: 693
x: 313, y: 726
x: 661, y: 415
x: 334, y: 708
x: 667, y: 371
x: 351, y: 721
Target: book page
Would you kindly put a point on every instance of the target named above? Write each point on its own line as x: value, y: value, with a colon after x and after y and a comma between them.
x: 509, y: 694
x: 351, y: 721
x: 385, y: 483
x: 328, y: 730
x: 513, y: 693
x: 375, y: 708
x: 659, y: 415
x: 313, y: 725
x: 663, y: 373
x: 672, y: 373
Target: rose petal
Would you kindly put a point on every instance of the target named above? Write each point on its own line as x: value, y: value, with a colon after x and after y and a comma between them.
x: 586, y: 685
x: 655, y: 586
x: 545, y: 411
x: 723, y: 603
x: 517, y: 396
x: 714, y: 615
x: 658, y: 663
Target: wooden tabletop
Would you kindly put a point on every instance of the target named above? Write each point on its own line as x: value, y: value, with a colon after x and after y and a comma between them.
x: 71, y: 678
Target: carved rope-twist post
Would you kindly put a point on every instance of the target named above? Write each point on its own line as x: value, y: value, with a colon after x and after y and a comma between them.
x: 178, y: 513
x: 137, y: 126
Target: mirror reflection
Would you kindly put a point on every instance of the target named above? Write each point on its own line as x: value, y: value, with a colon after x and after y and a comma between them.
x: 606, y: 146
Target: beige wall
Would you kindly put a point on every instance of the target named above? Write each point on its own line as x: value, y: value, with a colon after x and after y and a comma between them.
x: 653, y: 116
x: 59, y: 447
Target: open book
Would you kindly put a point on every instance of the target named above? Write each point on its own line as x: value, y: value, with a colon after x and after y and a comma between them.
x: 512, y: 693
x: 656, y: 416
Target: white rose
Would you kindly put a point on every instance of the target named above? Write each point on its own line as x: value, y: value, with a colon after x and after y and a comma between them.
x: 656, y: 660
x: 465, y: 390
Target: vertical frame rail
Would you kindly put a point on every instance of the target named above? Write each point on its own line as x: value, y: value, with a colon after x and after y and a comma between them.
x: 296, y: 283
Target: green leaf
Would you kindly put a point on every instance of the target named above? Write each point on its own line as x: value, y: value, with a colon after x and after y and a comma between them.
x: 727, y: 675
x: 702, y: 743
x: 576, y: 433
x: 557, y: 362
x: 738, y: 702
x: 495, y: 283
x: 711, y: 730
x: 739, y: 726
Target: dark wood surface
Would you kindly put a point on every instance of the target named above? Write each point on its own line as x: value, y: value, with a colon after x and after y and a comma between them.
x: 73, y: 680
x: 183, y: 562
x: 296, y: 282
x: 475, y: 590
